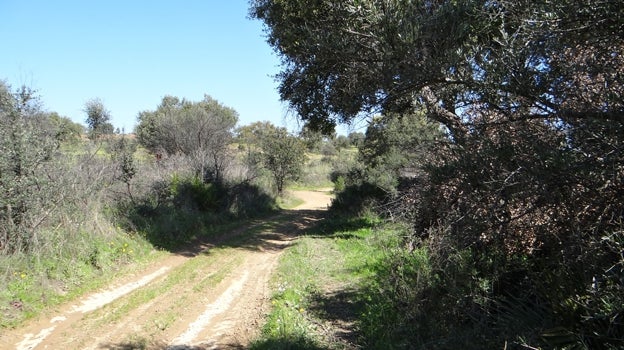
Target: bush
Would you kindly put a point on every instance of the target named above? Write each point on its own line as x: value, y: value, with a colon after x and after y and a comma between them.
x: 177, y: 210
x: 540, y: 227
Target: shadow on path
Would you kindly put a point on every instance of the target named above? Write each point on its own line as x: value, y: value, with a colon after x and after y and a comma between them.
x: 273, y: 233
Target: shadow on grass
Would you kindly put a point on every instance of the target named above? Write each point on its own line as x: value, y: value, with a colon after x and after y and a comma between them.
x: 341, y: 309
x: 286, y: 344
x: 153, y: 346
x: 176, y: 213
x: 337, y: 226
x: 273, y: 344
x: 274, y: 233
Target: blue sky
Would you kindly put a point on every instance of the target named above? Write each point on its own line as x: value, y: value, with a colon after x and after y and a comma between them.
x: 131, y: 53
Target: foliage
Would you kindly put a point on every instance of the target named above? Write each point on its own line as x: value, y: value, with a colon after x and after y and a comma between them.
x: 526, y: 192
x: 396, y: 146
x: 307, y: 297
x: 67, y: 130
x: 356, y: 138
x: 123, y: 154
x: 388, y: 56
x: 174, y: 210
x: 62, y: 241
x: 73, y: 212
x: 283, y: 155
x: 312, y: 139
x: 98, y: 119
x: 200, y: 130
x: 393, y: 152
x: 274, y: 149
x: 26, y: 151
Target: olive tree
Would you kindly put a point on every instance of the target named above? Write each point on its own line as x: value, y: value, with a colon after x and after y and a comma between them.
x: 27, y: 146
x: 98, y: 119
x: 202, y: 131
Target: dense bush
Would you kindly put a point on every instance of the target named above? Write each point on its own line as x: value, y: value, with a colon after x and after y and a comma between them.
x: 541, y: 219
x: 177, y: 209
x: 524, y: 236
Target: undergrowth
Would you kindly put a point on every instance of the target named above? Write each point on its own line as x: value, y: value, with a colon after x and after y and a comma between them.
x: 62, y: 271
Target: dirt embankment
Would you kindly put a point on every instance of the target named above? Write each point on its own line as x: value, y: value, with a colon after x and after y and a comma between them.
x: 214, y: 295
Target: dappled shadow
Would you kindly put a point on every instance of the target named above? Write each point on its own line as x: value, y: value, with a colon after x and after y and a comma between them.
x: 340, y: 309
x: 288, y: 343
x: 302, y: 343
x: 271, y: 234
x: 338, y: 227
x: 176, y: 213
x: 141, y: 345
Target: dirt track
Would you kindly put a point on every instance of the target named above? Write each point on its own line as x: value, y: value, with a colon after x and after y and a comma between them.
x: 214, y: 295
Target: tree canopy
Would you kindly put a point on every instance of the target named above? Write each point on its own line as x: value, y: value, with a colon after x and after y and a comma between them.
x: 525, y: 188
x: 98, y: 118
x: 519, y: 59
x: 202, y: 130
x: 274, y: 149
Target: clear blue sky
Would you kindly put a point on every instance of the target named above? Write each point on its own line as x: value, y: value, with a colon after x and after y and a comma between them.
x: 131, y: 53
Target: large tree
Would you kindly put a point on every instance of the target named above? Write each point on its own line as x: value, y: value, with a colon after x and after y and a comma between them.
x: 531, y: 94
x: 344, y: 58
x: 200, y: 130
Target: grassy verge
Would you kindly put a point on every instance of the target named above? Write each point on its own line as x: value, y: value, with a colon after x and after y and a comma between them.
x: 319, y: 286
x: 36, y: 282
x: 79, y: 264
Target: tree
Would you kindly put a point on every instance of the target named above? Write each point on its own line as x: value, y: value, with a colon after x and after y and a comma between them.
x: 200, y: 130
x: 312, y: 138
x: 340, y: 142
x: 531, y: 97
x: 98, y: 119
x: 397, y: 146
x: 67, y: 130
x: 356, y: 138
x: 27, y: 146
x: 377, y: 56
x: 281, y: 153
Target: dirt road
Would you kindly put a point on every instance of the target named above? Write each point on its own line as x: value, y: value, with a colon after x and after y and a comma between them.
x: 212, y: 295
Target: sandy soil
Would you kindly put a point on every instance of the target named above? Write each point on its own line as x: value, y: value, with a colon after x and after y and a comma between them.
x: 220, y: 303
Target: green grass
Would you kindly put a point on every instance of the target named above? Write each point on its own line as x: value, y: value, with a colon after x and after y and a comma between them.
x: 70, y: 266
x: 346, y: 271
x: 329, y: 261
